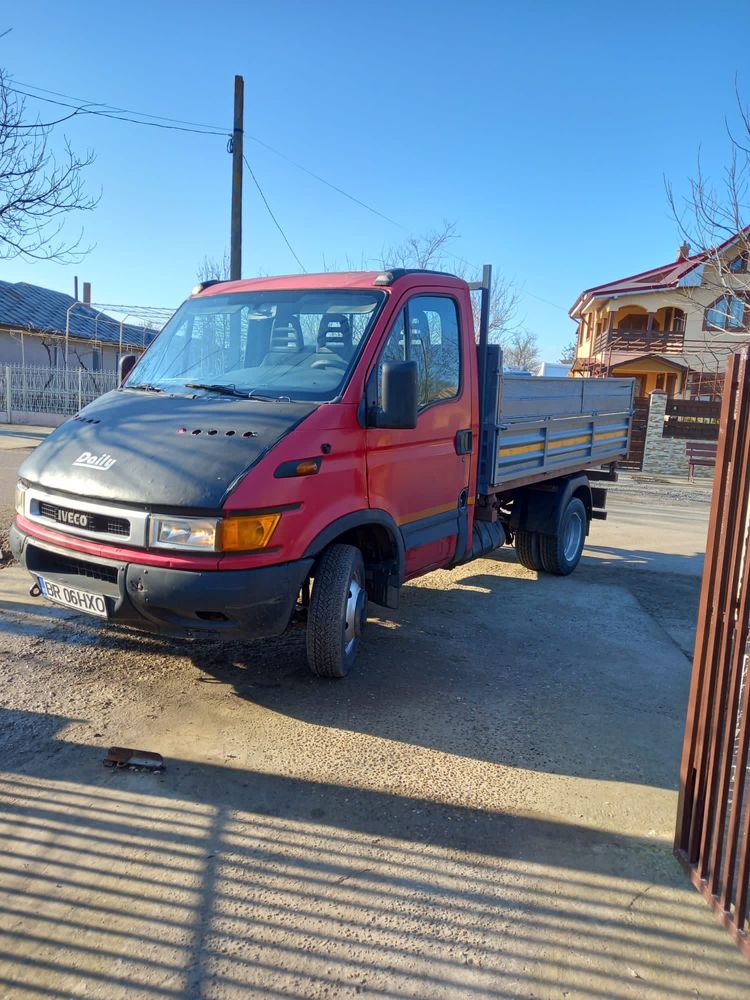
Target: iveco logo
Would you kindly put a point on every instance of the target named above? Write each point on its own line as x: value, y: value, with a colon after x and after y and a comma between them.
x: 99, y: 462
x: 72, y: 517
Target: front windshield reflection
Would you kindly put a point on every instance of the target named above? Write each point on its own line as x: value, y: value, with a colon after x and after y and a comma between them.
x: 295, y: 345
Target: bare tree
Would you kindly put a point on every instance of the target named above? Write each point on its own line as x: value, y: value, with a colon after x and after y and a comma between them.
x: 214, y: 268
x: 522, y: 350
x: 433, y: 251
x: 711, y: 213
x: 568, y: 353
x: 37, y: 190
x: 428, y: 251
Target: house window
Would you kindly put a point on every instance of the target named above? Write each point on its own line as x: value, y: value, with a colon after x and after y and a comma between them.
x: 739, y: 264
x: 727, y: 313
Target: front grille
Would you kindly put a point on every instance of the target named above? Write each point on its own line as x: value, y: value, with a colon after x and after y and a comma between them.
x: 103, y: 523
x: 43, y: 561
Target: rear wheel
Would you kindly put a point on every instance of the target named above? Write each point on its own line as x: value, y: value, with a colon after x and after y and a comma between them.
x: 561, y: 552
x: 338, y: 611
x: 527, y: 549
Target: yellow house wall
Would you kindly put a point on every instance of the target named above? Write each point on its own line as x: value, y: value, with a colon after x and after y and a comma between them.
x: 648, y: 371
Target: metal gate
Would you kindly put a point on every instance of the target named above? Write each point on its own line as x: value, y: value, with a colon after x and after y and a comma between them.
x: 712, y: 839
x: 634, y: 458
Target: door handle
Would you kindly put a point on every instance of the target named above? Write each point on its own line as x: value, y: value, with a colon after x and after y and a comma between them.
x: 464, y: 442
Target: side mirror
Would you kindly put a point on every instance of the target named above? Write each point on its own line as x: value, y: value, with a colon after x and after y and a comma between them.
x: 125, y: 366
x: 400, y: 395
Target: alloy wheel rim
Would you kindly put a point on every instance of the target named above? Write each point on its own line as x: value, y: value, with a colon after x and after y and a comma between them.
x: 573, y: 536
x: 355, y: 615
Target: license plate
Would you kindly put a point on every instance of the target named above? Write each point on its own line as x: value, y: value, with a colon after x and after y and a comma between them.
x: 69, y: 597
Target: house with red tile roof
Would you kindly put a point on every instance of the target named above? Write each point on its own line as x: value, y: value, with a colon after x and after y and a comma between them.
x: 671, y: 327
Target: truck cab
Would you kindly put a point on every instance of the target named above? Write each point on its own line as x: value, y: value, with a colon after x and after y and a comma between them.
x: 287, y: 449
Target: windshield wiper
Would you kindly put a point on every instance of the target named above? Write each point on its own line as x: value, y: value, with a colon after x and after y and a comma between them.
x: 254, y: 394
x: 143, y: 386
x: 224, y: 390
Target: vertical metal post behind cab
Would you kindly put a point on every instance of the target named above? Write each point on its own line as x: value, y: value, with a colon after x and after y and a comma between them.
x: 485, y: 287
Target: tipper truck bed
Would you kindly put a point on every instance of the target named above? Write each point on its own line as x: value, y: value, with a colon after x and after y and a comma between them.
x: 289, y: 449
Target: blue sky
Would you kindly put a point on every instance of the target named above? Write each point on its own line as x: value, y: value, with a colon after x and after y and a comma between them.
x: 543, y: 129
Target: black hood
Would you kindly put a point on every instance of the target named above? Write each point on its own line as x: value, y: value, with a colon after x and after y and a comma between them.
x: 160, y: 450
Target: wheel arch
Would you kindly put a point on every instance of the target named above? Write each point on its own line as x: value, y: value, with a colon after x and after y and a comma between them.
x: 540, y: 509
x: 377, y: 536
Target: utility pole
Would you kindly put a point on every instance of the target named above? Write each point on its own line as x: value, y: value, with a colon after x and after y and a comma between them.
x: 235, y: 267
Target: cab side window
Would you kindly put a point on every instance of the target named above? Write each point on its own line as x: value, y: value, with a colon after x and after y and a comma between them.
x: 427, y: 332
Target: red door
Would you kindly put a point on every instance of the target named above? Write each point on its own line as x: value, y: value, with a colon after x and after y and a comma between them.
x: 421, y: 476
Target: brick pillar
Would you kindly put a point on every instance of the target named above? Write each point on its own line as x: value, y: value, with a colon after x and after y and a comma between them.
x: 665, y: 456
x: 652, y: 453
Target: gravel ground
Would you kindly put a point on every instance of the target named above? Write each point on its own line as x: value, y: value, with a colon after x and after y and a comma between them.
x: 9, y: 462
x: 640, y: 488
x: 484, y: 808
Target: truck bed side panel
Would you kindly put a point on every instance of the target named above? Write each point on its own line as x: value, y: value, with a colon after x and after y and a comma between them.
x: 535, y: 427
x: 558, y: 443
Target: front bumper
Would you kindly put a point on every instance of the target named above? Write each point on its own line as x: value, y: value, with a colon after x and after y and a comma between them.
x: 250, y: 603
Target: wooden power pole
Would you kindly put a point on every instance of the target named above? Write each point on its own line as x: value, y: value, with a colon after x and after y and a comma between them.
x: 235, y: 266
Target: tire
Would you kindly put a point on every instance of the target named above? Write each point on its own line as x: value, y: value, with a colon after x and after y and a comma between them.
x: 338, y: 606
x: 561, y: 552
x: 528, y: 549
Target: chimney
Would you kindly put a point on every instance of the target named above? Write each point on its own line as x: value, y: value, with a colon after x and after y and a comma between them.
x: 87, y: 293
x: 683, y: 252
x: 75, y: 288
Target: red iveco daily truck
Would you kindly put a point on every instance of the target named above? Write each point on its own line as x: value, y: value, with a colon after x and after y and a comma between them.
x: 289, y: 449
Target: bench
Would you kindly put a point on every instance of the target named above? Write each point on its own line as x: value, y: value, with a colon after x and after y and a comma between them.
x: 699, y: 453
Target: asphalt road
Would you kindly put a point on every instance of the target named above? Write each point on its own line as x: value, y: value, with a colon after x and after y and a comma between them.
x: 484, y: 808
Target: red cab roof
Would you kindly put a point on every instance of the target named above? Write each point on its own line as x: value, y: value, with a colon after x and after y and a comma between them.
x: 336, y: 279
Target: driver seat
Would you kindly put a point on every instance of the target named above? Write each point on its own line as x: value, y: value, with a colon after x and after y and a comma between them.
x: 286, y: 339
x: 335, y: 336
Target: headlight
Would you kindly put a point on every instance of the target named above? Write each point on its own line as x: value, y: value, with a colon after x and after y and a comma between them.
x: 214, y: 534
x: 21, y: 489
x: 184, y: 533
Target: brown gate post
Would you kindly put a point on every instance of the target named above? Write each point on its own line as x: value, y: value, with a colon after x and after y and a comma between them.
x: 712, y: 838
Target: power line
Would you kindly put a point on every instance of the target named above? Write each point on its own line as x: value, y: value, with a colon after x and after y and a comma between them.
x: 103, y: 110
x: 276, y: 221
x: 115, y: 113
x: 322, y: 180
x: 128, y: 111
x: 525, y: 291
x: 85, y: 109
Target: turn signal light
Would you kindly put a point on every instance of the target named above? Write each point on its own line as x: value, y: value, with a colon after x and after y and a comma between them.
x: 299, y: 467
x: 308, y: 468
x: 242, y: 534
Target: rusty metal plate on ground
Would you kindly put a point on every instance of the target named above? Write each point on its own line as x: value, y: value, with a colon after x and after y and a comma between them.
x: 136, y: 760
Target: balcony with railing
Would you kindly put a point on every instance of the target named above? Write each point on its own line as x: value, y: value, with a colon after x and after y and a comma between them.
x: 634, y: 329
x: 640, y: 341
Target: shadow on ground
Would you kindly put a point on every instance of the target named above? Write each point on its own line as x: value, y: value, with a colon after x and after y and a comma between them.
x: 506, y: 669
x: 213, y: 881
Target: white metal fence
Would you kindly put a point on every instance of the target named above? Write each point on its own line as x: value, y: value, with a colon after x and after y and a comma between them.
x: 60, y: 391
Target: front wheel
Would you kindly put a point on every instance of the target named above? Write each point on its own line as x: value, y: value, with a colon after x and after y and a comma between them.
x: 561, y: 552
x: 338, y: 611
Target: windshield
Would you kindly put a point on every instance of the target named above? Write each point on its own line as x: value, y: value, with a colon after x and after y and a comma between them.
x: 296, y: 345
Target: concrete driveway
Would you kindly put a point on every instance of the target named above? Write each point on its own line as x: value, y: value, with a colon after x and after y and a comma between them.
x: 483, y: 809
